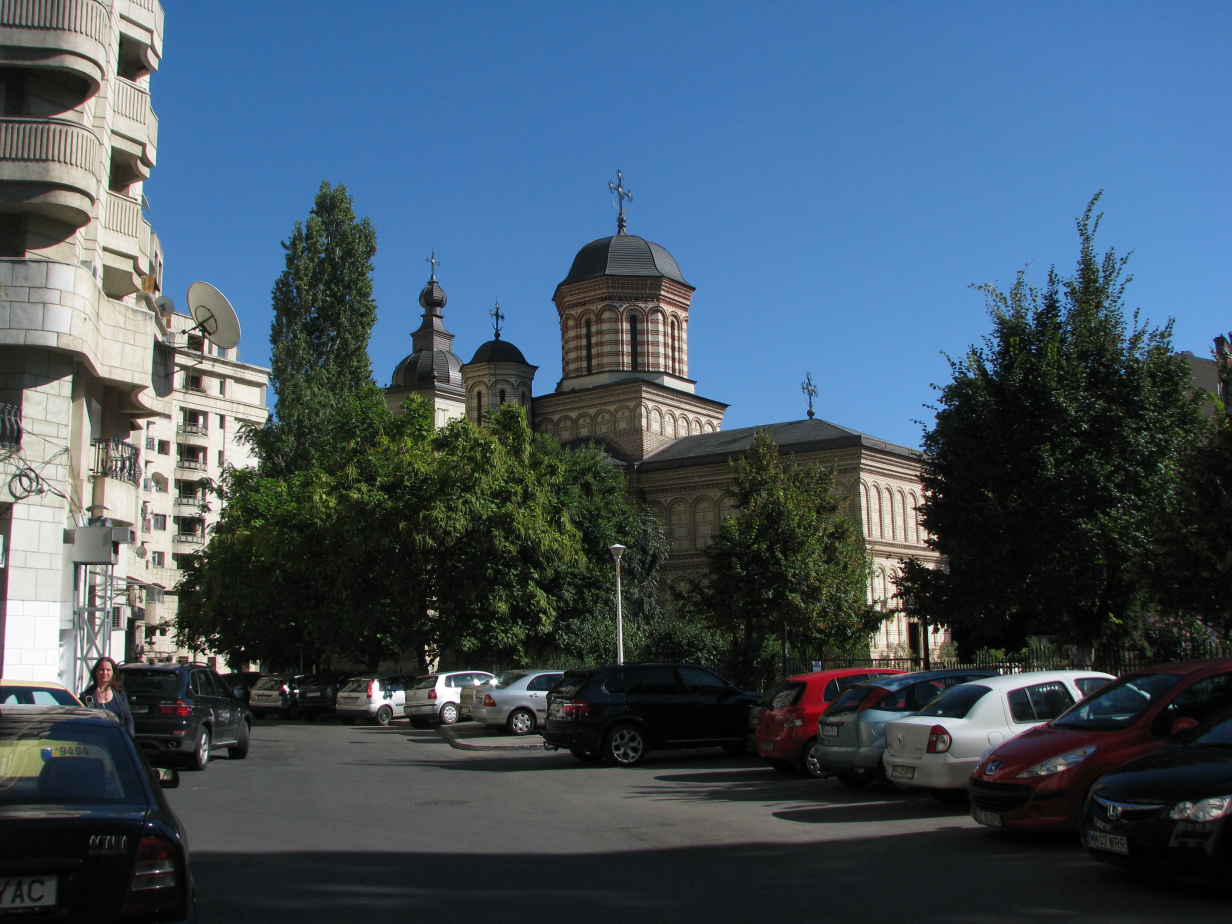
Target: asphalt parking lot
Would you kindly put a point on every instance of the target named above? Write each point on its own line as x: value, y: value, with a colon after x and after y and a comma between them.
x: 330, y: 823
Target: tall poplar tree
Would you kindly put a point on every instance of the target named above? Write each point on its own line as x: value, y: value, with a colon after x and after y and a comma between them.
x: 323, y: 318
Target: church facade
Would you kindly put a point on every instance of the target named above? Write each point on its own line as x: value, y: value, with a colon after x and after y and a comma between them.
x: 624, y: 319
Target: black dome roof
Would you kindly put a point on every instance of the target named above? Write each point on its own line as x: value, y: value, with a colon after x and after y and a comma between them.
x: 427, y: 366
x: 433, y: 296
x: 623, y: 255
x: 499, y: 351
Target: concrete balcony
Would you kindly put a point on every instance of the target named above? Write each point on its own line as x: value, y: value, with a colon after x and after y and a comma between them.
x: 189, y: 539
x: 116, y: 475
x: 136, y: 124
x: 126, y: 246
x: 192, y: 465
x: 50, y: 167
x: 192, y: 429
x: 62, y: 35
x: 141, y: 21
x: 187, y: 500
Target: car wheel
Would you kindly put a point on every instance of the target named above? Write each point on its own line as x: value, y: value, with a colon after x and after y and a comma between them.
x: 448, y: 714
x: 520, y: 722
x: 419, y: 723
x: 587, y: 757
x: 384, y: 716
x: 949, y: 796
x: 782, y: 766
x: 258, y: 714
x: 292, y: 713
x: 855, y: 780
x: 200, y: 758
x: 625, y: 745
x: 239, y: 750
x: 309, y: 716
x: 809, y: 763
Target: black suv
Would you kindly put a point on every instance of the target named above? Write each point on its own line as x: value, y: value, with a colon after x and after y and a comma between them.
x: 620, y: 713
x: 318, y: 694
x: 181, y: 711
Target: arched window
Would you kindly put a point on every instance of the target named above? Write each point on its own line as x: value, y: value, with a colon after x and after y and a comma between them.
x: 590, y: 347
x: 479, y: 406
x: 633, y: 364
x: 673, y: 367
x: 522, y: 399
x: 502, y: 396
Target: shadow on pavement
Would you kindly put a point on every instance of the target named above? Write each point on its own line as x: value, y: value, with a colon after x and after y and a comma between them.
x: 861, y: 880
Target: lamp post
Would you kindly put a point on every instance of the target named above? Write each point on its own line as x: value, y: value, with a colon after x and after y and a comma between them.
x: 617, y: 550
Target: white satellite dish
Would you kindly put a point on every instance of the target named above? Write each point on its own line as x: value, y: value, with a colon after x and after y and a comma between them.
x: 164, y: 306
x: 214, y: 315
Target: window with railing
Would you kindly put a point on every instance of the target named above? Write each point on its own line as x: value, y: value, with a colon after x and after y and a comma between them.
x: 117, y: 459
x: 10, y: 426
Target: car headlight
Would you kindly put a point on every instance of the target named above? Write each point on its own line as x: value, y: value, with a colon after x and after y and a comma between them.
x: 1206, y: 810
x: 1057, y: 764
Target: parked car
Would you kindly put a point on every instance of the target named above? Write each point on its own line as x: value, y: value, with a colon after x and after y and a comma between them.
x: 375, y: 699
x: 245, y: 680
x: 318, y: 694
x: 183, y: 711
x: 1167, y: 811
x: 86, y: 833
x: 940, y: 746
x: 852, y: 729
x: 35, y: 693
x: 434, y: 697
x: 516, y: 699
x: 786, y: 724
x: 276, y: 694
x: 1040, y: 779
x: 621, y: 713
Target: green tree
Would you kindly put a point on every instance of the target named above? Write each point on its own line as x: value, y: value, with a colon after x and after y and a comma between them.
x: 788, y: 564
x: 1052, y: 460
x: 323, y: 317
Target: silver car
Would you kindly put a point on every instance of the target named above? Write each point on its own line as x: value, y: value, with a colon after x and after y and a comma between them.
x: 376, y: 699
x: 515, y: 699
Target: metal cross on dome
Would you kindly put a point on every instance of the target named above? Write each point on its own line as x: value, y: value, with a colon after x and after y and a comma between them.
x: 433, y: 262
x: 810, y: 391
x: 622, y: 196
x: 497, y: 318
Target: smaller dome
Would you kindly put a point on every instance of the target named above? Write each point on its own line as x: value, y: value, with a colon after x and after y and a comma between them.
x: 433, y: 296
x: 499, y: 351
x: 427, y: 366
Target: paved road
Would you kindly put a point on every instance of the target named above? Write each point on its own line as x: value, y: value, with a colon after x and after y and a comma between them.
x: 329, y: 823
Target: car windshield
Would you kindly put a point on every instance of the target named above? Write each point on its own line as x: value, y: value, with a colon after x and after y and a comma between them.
x: 425, y: 683
x: 1215, y: 732
x: 956, y: 702
x: 506, y: 678
x: 850, y: 701
x: 164, y: 683
x: 14, y: 694
x: 571, y: 684
x: 354, y: 686
x: 787, y: 693
x: 59, y: 759
x: 1119, y: 704
x: 270, y: 683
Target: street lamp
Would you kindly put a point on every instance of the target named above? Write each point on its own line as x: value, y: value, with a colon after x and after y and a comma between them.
x: 617, y: 550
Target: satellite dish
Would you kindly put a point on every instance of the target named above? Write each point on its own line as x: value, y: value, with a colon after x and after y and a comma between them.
x: 214, y: 315
x: 164, y: 306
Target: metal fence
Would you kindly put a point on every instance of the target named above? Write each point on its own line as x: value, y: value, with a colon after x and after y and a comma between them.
x: 117, y: 459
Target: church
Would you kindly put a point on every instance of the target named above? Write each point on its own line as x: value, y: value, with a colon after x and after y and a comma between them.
x: 624, y: 321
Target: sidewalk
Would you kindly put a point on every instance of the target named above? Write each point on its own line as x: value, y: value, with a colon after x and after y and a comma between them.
x: 468, y: 736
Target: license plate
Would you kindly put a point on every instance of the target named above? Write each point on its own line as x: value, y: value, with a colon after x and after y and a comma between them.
x: 27, y: 892
x: 138, y: 710
x: 350, y: 699
x: 1111, y: 842
x: 900, y: 772
x: 767, y: 745
x: 829, y: 731
x: 312, y: 696
x: 992, y: 819
x: 262, y: 697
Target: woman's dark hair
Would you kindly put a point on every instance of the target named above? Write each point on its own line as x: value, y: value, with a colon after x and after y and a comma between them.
x: 116, y: 684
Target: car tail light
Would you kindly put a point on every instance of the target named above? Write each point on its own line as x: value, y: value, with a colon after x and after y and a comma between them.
x: 432, y: 693
x: 488, y: 700
x: 793, y: 717
x: 873, y: 698
x: 939, y: 740
x: 179, y: 709
x: 157, y: 882
x: 574, y: 709
x: 285, y: 689
x: 371, y: 689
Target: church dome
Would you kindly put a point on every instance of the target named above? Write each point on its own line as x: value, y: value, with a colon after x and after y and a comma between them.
x: 433, y: 296
x: 499, y: 351
x: 623, y: 255
x: 426, y: 367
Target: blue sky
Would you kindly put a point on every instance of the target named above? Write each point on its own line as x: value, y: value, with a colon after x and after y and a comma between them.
x: 831, y: 177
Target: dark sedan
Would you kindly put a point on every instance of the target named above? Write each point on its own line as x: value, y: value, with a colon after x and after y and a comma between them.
x: 318, y: 694
x: 85, y: 831
x: 1168, y: 811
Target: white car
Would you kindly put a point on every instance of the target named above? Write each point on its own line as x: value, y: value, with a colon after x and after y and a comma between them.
x: 374, y: 699
x: 940, y: 746
x: 515, y: 699
x: 434, y: 697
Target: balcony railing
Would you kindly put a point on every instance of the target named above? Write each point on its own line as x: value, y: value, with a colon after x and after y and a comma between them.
x: 190, y: 538
x: 56, y: 154
x: 135, y: 120
x: 117, y: 459
x: 68, y: 34
x: 189, y: 386
x: 195, y: 429
x: 195, y: 464
x: 10, y: 426
x: 187, y: 500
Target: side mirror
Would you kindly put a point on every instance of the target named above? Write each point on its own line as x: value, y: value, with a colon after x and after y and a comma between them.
x: 168, y: 778
x: 237, y: 692
x: 1184, y: 723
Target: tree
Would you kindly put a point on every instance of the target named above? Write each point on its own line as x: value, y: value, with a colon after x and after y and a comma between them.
x: 1053, y: 459
x: 788, y: 564
x: 323, y: 317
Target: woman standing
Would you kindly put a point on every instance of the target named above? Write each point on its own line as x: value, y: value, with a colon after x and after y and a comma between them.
x: 107, y: 692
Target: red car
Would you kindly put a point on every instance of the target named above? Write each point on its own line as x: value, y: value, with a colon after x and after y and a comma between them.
x: 1040, y: 780
x: 787, y: 724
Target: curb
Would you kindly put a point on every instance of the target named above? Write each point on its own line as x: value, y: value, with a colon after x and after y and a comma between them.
x: 447, y: 733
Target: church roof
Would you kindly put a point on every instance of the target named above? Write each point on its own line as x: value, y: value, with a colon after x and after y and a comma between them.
x: 622, y: 255
x: 499, y: 351
x: 792, y: 436
x: 424, y: 367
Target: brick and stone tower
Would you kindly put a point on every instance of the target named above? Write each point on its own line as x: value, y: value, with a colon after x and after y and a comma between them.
x: 497, y: 374
x: 432, y: 371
